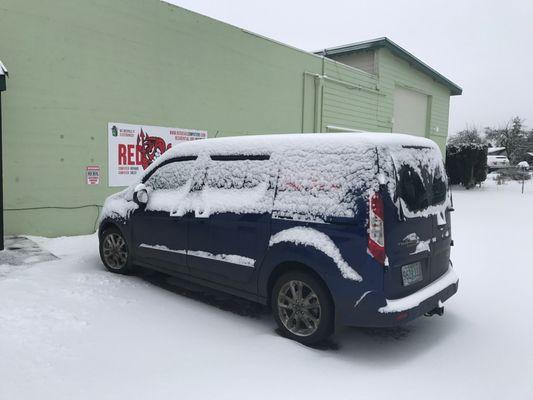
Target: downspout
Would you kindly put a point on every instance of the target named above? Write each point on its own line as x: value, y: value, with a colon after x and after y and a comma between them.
x: 1, y: 182
x: 303, y: 103
x: 322, y: 93
x: 319, y: 87
x: 3, y: 75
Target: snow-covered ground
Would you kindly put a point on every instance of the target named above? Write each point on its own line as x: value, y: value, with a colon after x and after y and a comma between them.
x: 71, y: 330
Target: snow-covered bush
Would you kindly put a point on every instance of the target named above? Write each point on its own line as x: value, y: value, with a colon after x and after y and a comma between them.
x: 466, y: 163
x: 513, y: 174
x: 523, y: 165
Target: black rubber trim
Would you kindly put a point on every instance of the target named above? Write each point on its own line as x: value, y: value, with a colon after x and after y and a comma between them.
x: 415, y: 147
x: 240, y: 157
x: 172, y: 160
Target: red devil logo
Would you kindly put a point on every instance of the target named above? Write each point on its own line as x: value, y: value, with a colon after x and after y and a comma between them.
x: 150, y: 148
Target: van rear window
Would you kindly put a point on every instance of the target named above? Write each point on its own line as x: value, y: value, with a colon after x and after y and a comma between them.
x: 421, y: 181
x: 419, y: 191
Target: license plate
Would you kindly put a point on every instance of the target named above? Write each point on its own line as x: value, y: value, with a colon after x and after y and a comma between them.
x: 412, y: 273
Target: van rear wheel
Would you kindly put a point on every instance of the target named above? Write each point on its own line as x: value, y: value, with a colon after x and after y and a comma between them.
x: 302, y: 308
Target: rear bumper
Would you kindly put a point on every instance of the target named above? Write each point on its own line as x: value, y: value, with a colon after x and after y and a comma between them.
x: 373, y: 310
x: 416, y: 299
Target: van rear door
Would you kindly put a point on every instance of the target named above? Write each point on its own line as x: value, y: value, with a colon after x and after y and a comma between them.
x: 417, y: 221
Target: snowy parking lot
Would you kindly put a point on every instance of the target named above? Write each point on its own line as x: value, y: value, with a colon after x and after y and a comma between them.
x: 71, y: 330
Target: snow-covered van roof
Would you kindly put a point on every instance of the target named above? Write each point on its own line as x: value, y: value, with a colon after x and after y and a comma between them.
x: 343, y: 163
x: 269, y: 144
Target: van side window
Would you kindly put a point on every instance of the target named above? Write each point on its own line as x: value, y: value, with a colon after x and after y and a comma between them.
x: 170, y: 176
x: 242, y: 186
x: 319, y: 185
x: 169, y: 185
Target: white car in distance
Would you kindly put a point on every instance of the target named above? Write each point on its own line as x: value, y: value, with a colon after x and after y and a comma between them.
x: 497, y: 161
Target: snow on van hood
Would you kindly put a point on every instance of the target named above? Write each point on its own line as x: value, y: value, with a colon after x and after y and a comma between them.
x: 119, y: 205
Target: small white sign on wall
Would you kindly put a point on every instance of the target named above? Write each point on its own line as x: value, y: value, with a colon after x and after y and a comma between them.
x: 132, y: 148
x: 92, y: 175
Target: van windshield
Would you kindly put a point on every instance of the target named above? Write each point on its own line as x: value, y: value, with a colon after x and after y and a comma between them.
x: 420, y: 178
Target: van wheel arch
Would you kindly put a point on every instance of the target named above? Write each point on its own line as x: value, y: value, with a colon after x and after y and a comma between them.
x: 110, y: 224
x: 289, y: 266
x: 104, y: 226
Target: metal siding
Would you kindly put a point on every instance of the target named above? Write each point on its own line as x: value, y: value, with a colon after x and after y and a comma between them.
x: 79, y: 64
x: 396, y: 72
x: 349, y: 107
x: 364, y: 60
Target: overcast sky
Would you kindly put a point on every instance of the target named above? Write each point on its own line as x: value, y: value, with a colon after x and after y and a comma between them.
x: 485, y: 46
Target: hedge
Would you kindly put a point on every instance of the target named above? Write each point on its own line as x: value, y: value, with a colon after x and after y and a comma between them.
x: 466, y: 164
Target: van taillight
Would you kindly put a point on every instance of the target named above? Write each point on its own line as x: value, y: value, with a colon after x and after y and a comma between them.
x: 376, y: 228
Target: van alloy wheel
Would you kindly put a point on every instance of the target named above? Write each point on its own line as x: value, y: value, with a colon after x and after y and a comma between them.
x: 299, y: 308
x: 115, y: 251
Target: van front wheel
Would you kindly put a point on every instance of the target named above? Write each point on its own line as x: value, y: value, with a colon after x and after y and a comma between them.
x: 302, y: 308
x: 114, y: 252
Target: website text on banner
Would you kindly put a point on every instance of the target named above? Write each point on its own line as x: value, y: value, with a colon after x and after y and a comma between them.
x: 132, y: 148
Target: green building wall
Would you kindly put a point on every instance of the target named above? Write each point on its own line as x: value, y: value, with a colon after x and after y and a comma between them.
x: 393, y: 72
x: 77, y: 65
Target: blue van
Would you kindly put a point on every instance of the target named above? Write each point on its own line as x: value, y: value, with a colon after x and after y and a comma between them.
x: 326, y: 229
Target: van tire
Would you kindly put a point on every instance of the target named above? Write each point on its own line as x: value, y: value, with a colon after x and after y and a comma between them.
x: 114, y: 252
x: 293, y: 314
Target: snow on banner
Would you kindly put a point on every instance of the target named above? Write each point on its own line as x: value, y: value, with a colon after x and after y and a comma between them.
x: 133, y: 148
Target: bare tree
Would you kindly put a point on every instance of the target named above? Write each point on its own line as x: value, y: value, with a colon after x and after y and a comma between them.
x: 513, y: 137
x: 466, y: 136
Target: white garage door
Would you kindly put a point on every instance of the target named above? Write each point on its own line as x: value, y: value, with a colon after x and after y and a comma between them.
x: 410, y: 112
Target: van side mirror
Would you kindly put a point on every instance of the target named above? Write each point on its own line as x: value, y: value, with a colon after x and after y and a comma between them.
x: 140, y: 195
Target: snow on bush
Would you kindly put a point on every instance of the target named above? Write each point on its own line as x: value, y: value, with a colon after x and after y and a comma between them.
x: 466, y: 164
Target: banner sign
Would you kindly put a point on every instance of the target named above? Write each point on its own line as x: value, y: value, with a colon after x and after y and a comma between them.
x: 92, y: 175
x: 132, y: 148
